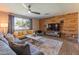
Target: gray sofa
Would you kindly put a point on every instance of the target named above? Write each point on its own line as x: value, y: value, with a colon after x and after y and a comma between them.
x: 5, y: 49
x: 16, y: 47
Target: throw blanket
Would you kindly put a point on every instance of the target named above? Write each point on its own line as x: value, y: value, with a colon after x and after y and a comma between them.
x: 5, y: 49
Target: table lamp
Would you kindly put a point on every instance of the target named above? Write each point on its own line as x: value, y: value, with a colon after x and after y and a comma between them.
x: 4, y: 26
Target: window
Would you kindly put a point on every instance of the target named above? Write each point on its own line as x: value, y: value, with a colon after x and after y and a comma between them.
x: 21, y: 23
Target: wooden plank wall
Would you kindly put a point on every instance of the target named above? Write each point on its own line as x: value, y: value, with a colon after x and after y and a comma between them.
x: 70, y: 25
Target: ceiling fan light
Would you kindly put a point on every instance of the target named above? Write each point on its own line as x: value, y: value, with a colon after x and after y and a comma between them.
x: 29, y: 12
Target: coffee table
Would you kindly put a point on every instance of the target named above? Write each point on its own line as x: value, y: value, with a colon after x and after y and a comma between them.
x: 34, y: 43
x: 36, y: 40
x: 34, y: 37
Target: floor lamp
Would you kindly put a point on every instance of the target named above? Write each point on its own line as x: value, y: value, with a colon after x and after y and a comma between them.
x: 4, y: 26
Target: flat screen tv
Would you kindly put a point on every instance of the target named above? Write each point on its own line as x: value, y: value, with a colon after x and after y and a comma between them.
x: 54, y: 27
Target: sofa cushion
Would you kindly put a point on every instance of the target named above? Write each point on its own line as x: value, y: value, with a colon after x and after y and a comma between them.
x: 5, y: 49
x: 15, y: 33
x: 30, y: 31
x: 20, y: 33
x: 1, y: 35
x: 20, y: 37
x: 24, y: 32
x: 3, y: 39
x: 10, y: 37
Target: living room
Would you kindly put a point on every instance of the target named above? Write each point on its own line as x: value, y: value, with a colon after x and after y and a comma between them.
x: 50, y: 29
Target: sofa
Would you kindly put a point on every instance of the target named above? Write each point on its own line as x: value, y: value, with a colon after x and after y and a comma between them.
x: 21, y: 33
x: 4, y: 47
x: 13, y: 46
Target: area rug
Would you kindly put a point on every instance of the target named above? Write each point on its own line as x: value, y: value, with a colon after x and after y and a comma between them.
x: 50, y: 46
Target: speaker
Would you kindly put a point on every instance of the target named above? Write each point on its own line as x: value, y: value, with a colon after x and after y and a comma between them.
x: 62, y: 21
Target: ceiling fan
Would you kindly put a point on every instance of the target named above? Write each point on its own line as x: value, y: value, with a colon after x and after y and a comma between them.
x: 29, y: 9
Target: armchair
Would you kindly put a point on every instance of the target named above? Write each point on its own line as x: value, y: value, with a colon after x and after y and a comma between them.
x: 39, y: 33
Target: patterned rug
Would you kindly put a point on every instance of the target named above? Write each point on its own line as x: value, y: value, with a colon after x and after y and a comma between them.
x: 49, y: 46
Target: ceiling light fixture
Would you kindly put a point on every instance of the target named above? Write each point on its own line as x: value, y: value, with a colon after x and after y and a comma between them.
x: 29, y: 12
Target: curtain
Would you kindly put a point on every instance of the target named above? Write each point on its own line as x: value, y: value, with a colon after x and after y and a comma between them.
x: 31, y: 27
x: 11, y: 24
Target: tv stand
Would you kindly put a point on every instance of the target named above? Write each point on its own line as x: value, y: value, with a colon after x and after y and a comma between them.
x: 53, y: 33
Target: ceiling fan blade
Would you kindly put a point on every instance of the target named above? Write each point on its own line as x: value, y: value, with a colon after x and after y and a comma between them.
x: 24, y: 5
x: 35, y: 12
x: 29, y: 9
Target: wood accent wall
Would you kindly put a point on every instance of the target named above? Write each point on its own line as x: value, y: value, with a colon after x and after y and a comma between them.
x: 3, y: 19
x: 70, y: 25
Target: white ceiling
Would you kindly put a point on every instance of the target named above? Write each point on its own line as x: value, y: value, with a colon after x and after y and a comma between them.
x: 46, y: 9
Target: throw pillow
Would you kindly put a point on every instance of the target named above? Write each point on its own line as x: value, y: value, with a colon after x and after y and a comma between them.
x: 10, y: 37
x: 3, y: 39
x: 1, y: 35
